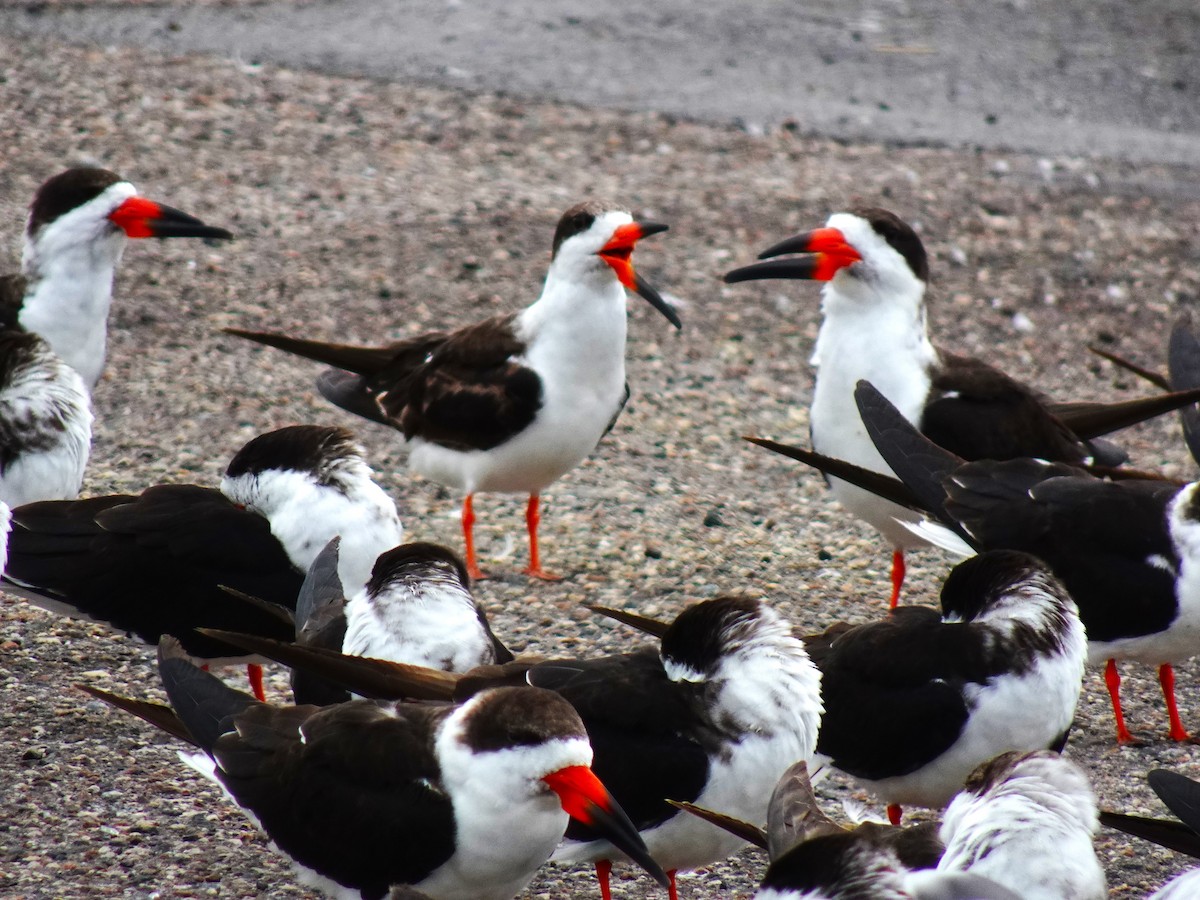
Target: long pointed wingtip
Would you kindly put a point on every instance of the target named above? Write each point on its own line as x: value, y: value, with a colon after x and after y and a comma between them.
x: 633, y: 620
x: 748, y: 832
x: 157, y: 714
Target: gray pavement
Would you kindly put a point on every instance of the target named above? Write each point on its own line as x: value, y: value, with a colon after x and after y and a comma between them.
x: 1106, y: 77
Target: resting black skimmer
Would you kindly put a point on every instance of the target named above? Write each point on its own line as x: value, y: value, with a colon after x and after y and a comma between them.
x: 874, y: 328
x: 514, y: 402
x: 1022, y: 827
x: 714, y: 716
x: 416, y: 608
x: 457, y: 801
x: 913, y: 703
x: 1027, y: 821
x: 1128, y: 551
x: 154, y: 563
x: 74, y: 237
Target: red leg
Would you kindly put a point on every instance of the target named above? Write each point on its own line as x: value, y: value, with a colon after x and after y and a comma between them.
x: 255, y: 674
x: 894, y: 812
x: 1112, y: 679
x: 672, y: 892
x: 532, y: 518
x: 1166, y: 677
x: 468, y: 523
x: 898, y: 571
x: 603, y: 870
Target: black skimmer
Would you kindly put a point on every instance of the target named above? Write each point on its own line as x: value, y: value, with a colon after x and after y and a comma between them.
x: 1127, y: 551
x: 1027, y: 821
x: 812, y: 857
x: 514, y: 402
x: 1021, y: 827
x: 74, y: 237
x: 874, y: 329
x: 713, y: 716
x: 154, y: 563
x: 913, y: 703
x: 416, y: 608
x: 456, y: 801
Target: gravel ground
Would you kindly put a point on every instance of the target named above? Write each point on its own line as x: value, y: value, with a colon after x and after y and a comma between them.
x: 366, y: 210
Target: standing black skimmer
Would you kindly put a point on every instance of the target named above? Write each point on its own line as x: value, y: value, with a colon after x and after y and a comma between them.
x: 713, y: 716
x: 874, y: 329
x: 457, y: 801
x: 154, y: 563
x: 915, y: 702
x: 514, y: 402
x: 74, y: 238
x: 53, y: 322
x: 1127, y: 551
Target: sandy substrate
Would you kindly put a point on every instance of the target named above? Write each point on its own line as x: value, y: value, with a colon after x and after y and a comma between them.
x: 367, y: 210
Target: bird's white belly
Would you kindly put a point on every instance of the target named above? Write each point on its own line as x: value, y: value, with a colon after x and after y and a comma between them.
x: 54, y: 474
x: 838, y: 431
x: 565, y: 431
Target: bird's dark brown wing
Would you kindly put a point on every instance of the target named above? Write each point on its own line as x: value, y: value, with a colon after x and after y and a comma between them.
x: 1108, y: 542
x: 470, y: 393
x: 978, y: 412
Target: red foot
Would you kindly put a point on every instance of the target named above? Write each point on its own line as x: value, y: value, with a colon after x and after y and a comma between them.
x: 1166, y: 678
x: 1112, y: 679
x: 898, y: 572
x: 603, y: 870
x: 894, y: 813
x: 541, y: 573
x: 672, y: 891
x: 254, y: 672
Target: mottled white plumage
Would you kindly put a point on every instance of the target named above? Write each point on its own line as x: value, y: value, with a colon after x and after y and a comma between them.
x: 417, y: 610
x: 305, y: 509
x: 1019, y: 710
x: 1027, y: 821
x: 46, y: 420
x: 765, y: 695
